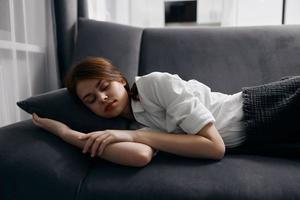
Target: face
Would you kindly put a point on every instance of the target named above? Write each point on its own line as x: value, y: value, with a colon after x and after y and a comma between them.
x: 105, y: 98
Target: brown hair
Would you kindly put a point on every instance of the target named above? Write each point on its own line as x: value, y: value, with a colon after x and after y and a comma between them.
x: 94, y: 68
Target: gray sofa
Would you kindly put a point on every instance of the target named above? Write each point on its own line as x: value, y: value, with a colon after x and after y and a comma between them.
x: 37, y: 165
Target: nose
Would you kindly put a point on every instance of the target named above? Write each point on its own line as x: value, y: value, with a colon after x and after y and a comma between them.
x: 102, y: 97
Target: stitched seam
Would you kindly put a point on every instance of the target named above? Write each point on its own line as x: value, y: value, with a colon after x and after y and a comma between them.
x: 78, y: 191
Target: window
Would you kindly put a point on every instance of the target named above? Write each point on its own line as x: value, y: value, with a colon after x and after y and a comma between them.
x: 25, y: 59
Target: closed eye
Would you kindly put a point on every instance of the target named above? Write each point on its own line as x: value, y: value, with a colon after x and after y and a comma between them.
x: 91, y: 100
x: 104, y: 86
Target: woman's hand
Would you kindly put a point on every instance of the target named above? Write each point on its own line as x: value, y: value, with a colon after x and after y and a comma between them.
x: 51, y: 125
x: 98, y: 140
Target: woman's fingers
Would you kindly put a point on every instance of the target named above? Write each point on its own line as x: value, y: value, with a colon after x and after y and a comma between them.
x: 34, y: 116
x: 88, y: 144
x: 97, y: 143
x: 91, y: 137
x: 41, y: 122
x: 36, y: 119
x: 85, y: 136
x: 95, y: 146
x: 53, y: 126
x: 103, y: 145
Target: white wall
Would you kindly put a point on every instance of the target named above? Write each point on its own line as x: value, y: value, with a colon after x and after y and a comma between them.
x: 150, y: 13
x: 259, y: 12
x: 209, y: 11
x: 123, y: 11
x: 229, y: 13
x: 145, y: 13
x: 98, y: 10
x: 140, y: 13
x: 292, y: 12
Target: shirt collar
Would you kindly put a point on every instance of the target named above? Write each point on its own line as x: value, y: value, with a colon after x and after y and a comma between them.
x: 136, y: 106
x: 137, y: 78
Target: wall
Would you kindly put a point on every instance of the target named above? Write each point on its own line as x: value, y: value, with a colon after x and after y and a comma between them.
x: 150, y: 13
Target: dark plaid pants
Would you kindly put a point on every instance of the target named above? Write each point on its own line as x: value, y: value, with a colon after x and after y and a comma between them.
x: 272, y: 113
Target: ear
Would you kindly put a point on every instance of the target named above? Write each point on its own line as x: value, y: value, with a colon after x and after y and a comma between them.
x: 123, y: 82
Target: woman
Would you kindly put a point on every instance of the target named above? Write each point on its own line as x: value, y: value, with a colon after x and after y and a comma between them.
x: 180, y: 117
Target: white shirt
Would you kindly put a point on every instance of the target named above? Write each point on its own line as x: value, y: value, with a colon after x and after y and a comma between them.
x: 168, y: 103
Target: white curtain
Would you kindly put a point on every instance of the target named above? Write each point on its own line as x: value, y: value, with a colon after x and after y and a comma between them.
x: 28, y: 63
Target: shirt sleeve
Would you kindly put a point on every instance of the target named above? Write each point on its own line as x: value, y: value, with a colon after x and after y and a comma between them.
x: 181, y: 105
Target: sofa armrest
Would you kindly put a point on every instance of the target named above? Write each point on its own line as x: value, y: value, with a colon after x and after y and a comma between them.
x: 37, y: 165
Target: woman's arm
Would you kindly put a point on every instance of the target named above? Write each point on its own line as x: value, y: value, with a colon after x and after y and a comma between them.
x: 207, y: 143
x: 124, y: 153
x: 187, y: 111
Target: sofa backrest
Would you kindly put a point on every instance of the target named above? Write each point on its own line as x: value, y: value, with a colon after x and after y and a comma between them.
x: 118, y: 43
x: 226, y: 59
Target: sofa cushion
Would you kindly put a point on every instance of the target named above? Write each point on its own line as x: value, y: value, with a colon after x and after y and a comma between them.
x: 61, y: 106
x: 173, y: 177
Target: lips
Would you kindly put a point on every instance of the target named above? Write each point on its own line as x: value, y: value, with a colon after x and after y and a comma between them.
x: 109, y: 106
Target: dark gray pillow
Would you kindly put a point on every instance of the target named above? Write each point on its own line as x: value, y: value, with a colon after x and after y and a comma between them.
x: 60, y: 105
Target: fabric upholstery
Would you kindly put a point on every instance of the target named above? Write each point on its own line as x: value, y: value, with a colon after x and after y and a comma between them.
x: 37, y: 165
x: 226, y: 59
x: 61, y: 106
x: 119, y: 43
x: 172, y: 177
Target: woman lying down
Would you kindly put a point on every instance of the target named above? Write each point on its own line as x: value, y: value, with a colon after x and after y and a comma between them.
x: 181, y: 117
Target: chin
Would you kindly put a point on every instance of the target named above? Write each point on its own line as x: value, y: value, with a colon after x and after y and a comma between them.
x: 114, y: 113
x: 110, y: 115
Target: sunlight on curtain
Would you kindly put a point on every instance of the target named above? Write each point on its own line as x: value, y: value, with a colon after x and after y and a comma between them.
x: 28, y: 63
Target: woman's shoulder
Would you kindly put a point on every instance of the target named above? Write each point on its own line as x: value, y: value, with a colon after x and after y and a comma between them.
x: 152, y: 81
x: 158, y: 76
x: 158, y: 81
